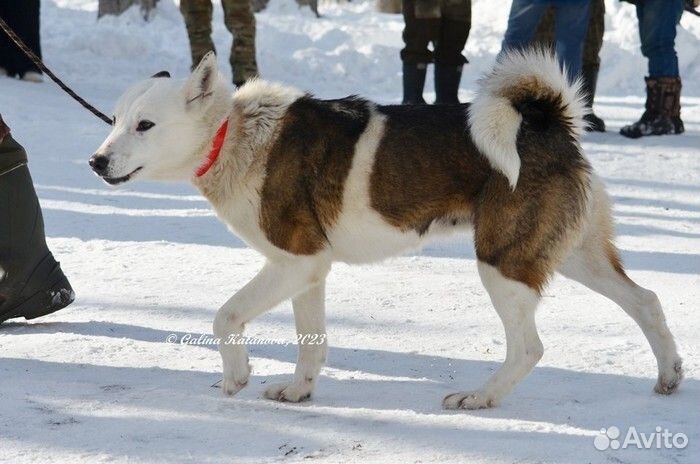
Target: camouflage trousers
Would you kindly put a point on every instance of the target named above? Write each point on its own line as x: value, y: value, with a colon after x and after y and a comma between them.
x: 239, y: 20
x: 445, y: 23
x: 594, y: 34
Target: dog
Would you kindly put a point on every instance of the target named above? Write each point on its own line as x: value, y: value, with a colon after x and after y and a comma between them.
x: 307, y: 182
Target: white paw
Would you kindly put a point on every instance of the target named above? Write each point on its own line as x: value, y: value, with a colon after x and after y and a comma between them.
x: 468, y: 400
x: 292, y: 392
x: 235, y: 378
x: 231, y: 387
x: 669, y: 381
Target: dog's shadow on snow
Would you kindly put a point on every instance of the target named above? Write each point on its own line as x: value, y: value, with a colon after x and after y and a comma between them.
x: 172, y: 416
x: 386, y: 380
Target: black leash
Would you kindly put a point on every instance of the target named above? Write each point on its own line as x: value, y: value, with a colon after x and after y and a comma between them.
x: 37, y: 61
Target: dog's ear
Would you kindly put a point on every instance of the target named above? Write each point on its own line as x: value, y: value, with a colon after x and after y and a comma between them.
x: 161, y: 74
x: 200, y: 85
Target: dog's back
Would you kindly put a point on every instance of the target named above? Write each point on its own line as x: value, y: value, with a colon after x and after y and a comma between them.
x: 361, y: 182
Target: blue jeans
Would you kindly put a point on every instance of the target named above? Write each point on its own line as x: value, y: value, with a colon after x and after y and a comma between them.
x: 657, y: 31
x: 570, y: 25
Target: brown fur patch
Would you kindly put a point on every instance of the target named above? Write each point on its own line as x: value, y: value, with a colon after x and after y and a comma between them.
x: 306, y: 171
x: 615, y: 260
x: 525, y: 232
x: 529, y: 88
x: 426, y: 168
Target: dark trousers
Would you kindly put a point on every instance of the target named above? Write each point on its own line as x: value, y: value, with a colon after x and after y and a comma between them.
x: 447, y: 29
x: 570, y: 25
x: 23, y: 17
x: 594, y: 35
x: 657, y: 30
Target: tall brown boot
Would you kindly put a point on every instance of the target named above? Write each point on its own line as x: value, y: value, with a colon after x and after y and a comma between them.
x: 662, y: 113
x: 672, y: 102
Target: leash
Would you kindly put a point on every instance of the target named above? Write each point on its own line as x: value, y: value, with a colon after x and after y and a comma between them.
x: 37, y: 61
x: 690, y: 6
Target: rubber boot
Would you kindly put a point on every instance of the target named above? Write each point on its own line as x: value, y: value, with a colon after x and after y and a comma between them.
x: 662, y: 113
x: 413, y: 83
x: 447, y: 79
x: 589, y: 74
x: 31, y: 281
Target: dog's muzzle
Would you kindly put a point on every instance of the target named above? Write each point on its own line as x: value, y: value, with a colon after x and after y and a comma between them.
x: 100, y: 164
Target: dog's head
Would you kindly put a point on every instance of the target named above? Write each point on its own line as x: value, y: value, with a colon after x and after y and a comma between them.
x: 160, y: 125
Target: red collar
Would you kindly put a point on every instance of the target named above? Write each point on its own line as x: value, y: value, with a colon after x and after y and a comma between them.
x: 216, y: 145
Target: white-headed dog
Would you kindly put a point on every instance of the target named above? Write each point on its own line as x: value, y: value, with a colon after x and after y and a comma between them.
x: 307, y: 182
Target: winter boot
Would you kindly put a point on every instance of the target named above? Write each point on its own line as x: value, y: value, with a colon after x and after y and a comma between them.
x: 31, y: 281
x: 589, y: 75
x: 662, y: 113
x: 447, y: 79
x: 413, y: 83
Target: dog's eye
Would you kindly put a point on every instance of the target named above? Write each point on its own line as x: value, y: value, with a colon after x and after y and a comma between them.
x: 144, y: 125
x: 114, y: 120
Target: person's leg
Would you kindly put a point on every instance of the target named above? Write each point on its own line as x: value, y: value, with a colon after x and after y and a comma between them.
x: 571, y: 23
x: 197, y: 15
x: 5, y: 44
x: 591, y: 61
x: 420, y: 28
x: 23, y: 18
x: 657, y: 30
x: 454, y: 31
x: 28, y: 29
x: 544, y: 34
x: 240, y: 21
x: 524, y: 17
x: 31, y: 281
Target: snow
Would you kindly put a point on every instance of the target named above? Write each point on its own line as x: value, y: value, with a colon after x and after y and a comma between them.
x: 101, y: 381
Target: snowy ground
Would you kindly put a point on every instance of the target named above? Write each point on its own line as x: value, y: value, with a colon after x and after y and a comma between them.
x: 100, y: 381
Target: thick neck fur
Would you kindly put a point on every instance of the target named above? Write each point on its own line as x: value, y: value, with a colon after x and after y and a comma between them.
x: 255, y: 113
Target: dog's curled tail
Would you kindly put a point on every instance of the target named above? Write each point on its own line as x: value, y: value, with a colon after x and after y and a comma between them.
x: 523, y: 86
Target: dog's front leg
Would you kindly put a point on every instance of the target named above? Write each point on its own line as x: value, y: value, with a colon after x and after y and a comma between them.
x: 310, y: 318
x: 276, y: 282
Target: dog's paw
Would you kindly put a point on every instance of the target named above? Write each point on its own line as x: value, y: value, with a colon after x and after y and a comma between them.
x: 468, y: 400
x: 292, y: 392
x: 669, y: 382
x: 231, y: 387
x: 235, y: 379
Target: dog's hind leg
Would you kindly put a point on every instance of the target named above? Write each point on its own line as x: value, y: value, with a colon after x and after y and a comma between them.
x: 276, y: 282
x: 596, y: 264
x: 515, y: 303
x: 602, y: 274
x: 310, y: 318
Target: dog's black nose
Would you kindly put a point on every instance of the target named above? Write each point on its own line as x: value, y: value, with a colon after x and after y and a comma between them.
x: 99, y: 163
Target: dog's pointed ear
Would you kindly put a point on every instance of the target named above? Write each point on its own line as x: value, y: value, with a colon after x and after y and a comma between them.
x: 161, y: 74
x: 200, y: 85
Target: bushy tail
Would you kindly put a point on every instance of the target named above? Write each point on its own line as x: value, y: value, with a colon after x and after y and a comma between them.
x: 526, y: 85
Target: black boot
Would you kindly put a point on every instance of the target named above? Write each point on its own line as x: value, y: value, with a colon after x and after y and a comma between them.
x: 447, y: 79
x: 31, y: 281
x: 662, y: 113
x: 590, y: 80
x: 413, y: 83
